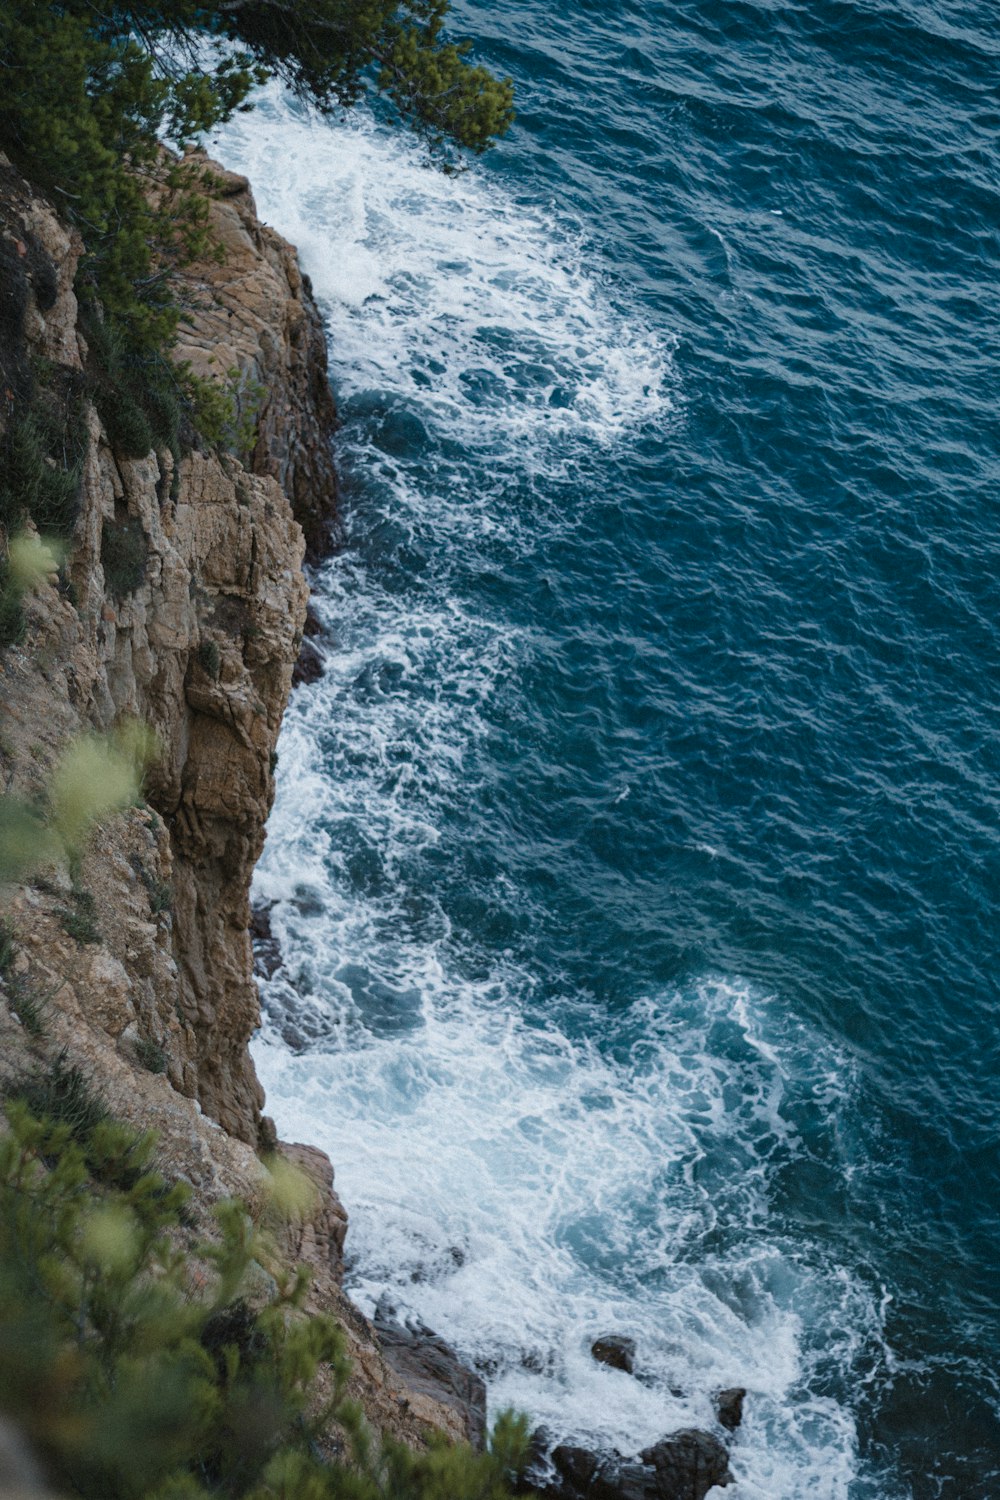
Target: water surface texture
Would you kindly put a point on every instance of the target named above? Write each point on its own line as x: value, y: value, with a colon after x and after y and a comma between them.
x: 635, y: 861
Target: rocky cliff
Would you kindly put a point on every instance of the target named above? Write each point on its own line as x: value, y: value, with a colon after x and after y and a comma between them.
x: 136, y: 963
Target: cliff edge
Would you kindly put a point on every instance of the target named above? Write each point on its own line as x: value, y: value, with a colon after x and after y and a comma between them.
x: 181, y: 604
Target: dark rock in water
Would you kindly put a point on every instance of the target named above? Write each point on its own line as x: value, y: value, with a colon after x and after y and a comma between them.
x: 687, y: 1464
x: 532, y: 1480
x: 615, y: 1350
x: 729, y: 1405
x: 428, y: 1365
x: 313, y: 625
x: 309, y: 665
x: 583, y: 1474
x: 266, y: 952
x: 683, y: 1466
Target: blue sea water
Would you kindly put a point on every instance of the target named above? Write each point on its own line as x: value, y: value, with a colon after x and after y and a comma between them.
x: 635, y: 860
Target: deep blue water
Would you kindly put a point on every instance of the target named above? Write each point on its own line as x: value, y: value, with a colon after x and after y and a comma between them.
x: 636, y: 860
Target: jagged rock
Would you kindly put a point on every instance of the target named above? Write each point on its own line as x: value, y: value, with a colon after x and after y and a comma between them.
x: 201, y: 651
x: 260, y: 318
x: 683, y: 1466
x: 431, y: 1367
x: 309, y: 664
x: 729, y: 1406
x: 581, y: 1473
x: 616, y: 1350
x: 317, y: 1238
x: 688, y: 1464
x: 266, y: 950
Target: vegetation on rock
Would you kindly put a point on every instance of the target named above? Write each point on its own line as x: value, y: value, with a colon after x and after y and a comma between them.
x: 135, y: 1362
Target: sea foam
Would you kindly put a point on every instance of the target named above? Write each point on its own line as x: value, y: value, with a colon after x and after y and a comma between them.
x: 520, y: 1185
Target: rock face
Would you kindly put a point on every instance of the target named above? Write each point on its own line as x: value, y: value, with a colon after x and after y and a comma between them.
x: 256, y: 316
x: 139, y: 962
x: 201, y: 651
x: 431, y: 1368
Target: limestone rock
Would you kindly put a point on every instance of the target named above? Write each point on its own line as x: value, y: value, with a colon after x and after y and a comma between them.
x: 257, y: 316
x: 152, y: 995
x: 317, y: 1238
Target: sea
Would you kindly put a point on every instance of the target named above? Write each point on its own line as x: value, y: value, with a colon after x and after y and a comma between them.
x: 635, y: 859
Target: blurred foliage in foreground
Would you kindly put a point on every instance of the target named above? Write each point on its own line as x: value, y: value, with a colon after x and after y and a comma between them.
x: 136, y: 1367
x: 95, y: 776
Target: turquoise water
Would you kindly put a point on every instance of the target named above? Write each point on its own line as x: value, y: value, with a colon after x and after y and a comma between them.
x: 635, y: 861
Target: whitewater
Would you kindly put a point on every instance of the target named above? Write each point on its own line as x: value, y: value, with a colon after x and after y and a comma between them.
x: 593, y: 982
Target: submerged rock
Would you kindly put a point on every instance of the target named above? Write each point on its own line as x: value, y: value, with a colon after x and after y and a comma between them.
x: 616, y: 1350
x: 729, y: 1406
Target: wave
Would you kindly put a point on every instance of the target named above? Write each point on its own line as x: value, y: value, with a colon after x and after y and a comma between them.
x: 608, y: 1173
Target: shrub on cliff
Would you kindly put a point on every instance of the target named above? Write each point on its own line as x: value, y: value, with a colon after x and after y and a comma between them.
x: 139, y: 1372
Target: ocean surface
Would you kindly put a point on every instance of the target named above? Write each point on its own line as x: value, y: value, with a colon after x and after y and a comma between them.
x: 635, y: 861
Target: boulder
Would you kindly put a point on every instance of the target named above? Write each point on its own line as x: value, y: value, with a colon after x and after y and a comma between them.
x: 683, y: 1466
x: 687, y: 1464
x: 309, y: 663
x: 616, y: 1350
x: 729, y: 1407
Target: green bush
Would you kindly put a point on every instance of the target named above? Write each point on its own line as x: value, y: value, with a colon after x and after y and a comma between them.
x: 209, y: 659
x: 11, y: 612
x: 23, y: 1002
x: 133, y: 1384
x: 80, y: 920
x: 151, y: 1055
x: 124, y: 555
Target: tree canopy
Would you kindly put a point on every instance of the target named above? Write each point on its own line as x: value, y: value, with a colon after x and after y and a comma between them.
x: 87, y: 88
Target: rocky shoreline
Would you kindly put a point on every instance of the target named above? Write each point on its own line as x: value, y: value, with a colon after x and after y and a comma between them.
x: 154, y: 998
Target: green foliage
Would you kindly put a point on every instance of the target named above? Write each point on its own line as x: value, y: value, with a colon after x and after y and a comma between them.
x: 11, y: 610
x: 224, y: 412
x: 86, y: 92
x: 40, y: 468
x: 40, y: 456
x: 30, y: 1011
x: 80, y: 920
x: 7, y: 951
x: 161, y: 896
x: 209, y: 659
x: 151, y: 1055
x: 94, y: 777
x: 23, y: 1002
x: 61, y: 1093
x: 132, y: 1385
x: 124, y: 554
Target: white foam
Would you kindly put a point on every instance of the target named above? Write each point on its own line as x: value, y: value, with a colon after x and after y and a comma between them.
x: 521, y: 1189
x: 445, y: 291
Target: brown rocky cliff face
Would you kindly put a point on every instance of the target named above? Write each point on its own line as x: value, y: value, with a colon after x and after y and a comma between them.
x: 202, y: 650
x: 156, y: 1003
x: 255, y: 314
